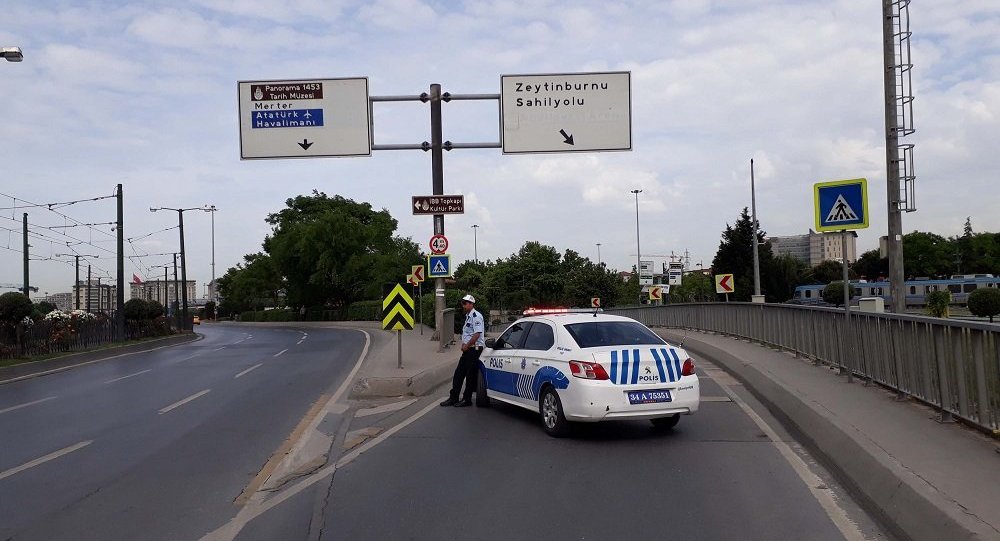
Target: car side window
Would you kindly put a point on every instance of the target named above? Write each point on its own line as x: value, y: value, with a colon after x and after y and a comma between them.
x: 514, y: 337
x: 540, y: 337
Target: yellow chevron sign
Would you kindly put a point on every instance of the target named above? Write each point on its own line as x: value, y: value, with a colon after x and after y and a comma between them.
x: 397, y: 309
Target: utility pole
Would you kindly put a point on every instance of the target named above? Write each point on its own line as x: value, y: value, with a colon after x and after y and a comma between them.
x: 598, y: 254
x: 120, y: 296
x: 76, y: 284
x: 89, y: 303
x: 212, y: 295
x: 475, y: 243
x: 176, y: 296
x: 27, y: 288
x: 638, y: 252
x: 184, y: 296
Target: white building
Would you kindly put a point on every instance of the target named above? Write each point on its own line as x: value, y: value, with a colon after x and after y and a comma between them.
x: 814, y: 248
x: 160, y: 291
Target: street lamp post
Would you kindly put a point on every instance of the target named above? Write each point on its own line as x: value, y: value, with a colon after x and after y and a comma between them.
x: 753, y: 235
x: 598, y: 254
x: 638, y: 252
x: 180, y: 227
x: 475, y: 243
x: 12, y: 54
x: 76, y: 285
x: 211, y: 293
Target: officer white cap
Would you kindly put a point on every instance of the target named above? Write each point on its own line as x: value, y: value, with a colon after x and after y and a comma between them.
x: 469, y: 298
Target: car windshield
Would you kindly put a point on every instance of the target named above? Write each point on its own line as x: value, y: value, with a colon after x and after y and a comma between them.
x: 611, y: 333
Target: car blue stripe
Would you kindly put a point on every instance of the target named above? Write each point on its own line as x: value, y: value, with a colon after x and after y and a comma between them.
x: 659, y: 365
x: 614, y: 367
x: 677, y: 362
x: 624, y: 378
x: 635, y: 366
x: 670, y: 365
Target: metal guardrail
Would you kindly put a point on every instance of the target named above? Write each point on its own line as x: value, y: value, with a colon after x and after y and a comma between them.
x: 952, y: 365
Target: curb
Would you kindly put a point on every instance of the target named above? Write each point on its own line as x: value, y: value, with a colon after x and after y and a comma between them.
x: 18, y: 372
x: 907, y: 505
x: 417, y: 385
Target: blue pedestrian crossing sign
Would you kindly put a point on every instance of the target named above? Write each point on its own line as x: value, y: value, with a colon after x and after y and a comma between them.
x: 439, y: 266
x: 841, y: 204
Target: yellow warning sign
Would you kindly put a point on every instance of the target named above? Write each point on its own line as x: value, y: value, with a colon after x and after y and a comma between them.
x: 397, y: 309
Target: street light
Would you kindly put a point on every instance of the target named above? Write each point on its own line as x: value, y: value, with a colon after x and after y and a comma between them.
x: 180, y: 227
x: 598, y: 254
x: 12, y: 54
x: 638, y: 252
x: 475, y: 243
x: 212, y: 209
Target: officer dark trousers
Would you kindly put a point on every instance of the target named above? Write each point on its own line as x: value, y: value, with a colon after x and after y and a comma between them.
x: 468, y: 370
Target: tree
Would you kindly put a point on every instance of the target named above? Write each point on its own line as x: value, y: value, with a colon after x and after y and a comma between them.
x: 937, y: 303
x: 210, y: 310
x: 871, y: 266
x: 250, y: 285
x: 735, y: 255
x: 780, y: 278
x: 927, y: 254
x: 833, y: 293
x: 829, y: 271
x: 985, y: 302
x: 695, y: 287
x: 14, y: 307
x: 332, y: 251
x: 44, y: 307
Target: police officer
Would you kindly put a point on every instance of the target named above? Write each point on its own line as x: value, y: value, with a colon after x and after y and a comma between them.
x: 472, y: 347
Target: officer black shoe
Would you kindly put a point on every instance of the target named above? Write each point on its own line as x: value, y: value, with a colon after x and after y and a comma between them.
x: 449, y: 402
x: 464, y: 403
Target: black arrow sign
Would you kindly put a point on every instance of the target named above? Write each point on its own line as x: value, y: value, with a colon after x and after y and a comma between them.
x: 305, y: 144
x: 569, y: 138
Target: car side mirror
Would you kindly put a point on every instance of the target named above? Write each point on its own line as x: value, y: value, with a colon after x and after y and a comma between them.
x: 491, y: 343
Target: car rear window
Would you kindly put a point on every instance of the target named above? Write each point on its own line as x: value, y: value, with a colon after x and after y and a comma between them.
x: 611, y: 333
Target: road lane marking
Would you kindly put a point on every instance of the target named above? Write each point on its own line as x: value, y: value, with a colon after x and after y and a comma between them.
x: 248, y: 370
x: 300, y: 341
x: 386, y: 408
x: 26, y: 404
x: 44, y: 459
x: 278, y: 354
x: 824, y: 497
x: 187, y: 358
x: 185, y: 401
x: 128, y: 376
x: 223, y: 347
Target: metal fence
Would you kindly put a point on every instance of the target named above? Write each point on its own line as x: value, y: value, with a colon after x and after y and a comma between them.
x: 44, y: 337
x: 953, y: 365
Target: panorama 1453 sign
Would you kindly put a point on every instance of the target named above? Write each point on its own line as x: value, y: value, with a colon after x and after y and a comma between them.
x: 566, y: 112
x: 304, y: 118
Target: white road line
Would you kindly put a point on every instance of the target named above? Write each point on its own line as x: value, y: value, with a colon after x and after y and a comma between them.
x: 26, y: 404
x: 300, y: 341
x: 187, y: 358
x: 248, y: 370
x: 44, y: 459
x: 222, y: 348
x: 278, y: 354
x: 837, y: 515
x: 185, y: 401
x: 128, y: 376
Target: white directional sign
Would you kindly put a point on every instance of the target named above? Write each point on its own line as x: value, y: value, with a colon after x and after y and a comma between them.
x: 569, y: 112
x: 304, y: 118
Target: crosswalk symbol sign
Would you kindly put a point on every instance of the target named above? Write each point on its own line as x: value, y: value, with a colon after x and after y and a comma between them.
x: 397, y: 309
x: 841, y: 205
x: 439, y: 266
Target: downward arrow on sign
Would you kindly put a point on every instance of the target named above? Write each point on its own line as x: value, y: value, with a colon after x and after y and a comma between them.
x: 305, y: 144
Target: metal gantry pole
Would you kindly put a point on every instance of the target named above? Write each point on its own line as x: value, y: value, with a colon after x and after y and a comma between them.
x: 756, y: 227
x: 845, y: 345
x: 638, y: 252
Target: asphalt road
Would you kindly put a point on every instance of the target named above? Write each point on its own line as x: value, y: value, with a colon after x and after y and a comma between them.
x: 158, y: 445
x: 492, y: 474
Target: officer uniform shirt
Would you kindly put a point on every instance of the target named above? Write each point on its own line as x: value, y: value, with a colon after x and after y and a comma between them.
x: 474, y: 324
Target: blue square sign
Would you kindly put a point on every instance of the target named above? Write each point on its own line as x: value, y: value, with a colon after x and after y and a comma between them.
x: 841, y: 204
x: 439, y: 266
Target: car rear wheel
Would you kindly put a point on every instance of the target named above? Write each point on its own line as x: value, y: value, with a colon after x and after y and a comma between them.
x: 553, y: 420
x: 482, y: 399
x: 666, y: 423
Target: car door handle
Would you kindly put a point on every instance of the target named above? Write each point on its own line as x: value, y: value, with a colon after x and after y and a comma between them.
x: 536, y: 363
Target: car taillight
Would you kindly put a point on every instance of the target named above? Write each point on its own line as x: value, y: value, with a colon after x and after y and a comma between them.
x: 585, y: 370
x: 688, y: 368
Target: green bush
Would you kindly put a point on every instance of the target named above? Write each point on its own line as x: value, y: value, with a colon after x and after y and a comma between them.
x: 136, y: 309
x: 453, y: 299
x: 249, y: 315
x: 153, y: 309
x: 833, y: 293
x: 937, y: 303
x: 44, y: 307
x: 14, y: 307
x: 365, y: 311
x: 985, y: 302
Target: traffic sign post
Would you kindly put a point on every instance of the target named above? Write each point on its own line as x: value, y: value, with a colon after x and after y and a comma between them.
x: 566, y: 112
x: 724, y: 285
x: 397, y: 315
x: 304, y: 118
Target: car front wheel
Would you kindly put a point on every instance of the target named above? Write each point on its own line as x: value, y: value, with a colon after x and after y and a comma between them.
x: 553, y: 420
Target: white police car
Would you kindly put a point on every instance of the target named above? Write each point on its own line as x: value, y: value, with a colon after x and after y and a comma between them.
x: 575, y: 365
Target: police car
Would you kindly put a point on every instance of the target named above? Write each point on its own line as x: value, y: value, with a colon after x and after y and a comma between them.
x: 574, y: 365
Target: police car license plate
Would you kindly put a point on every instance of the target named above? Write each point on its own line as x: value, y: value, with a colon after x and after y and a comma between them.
x: 648, y: 397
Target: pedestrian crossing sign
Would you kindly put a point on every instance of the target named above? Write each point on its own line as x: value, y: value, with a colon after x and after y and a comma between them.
x: 439, y: 266
x: 841, y: 204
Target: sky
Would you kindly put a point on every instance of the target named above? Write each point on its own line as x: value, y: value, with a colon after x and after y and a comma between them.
x: 145, y: 94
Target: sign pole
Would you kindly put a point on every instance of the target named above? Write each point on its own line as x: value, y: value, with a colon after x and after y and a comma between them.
x: 420, y: 305
x: 437, y: 175
x: 847, y: 303
x: 399, y: 349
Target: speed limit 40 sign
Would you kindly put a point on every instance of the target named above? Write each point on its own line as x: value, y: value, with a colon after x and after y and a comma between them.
x: 439, y: 244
